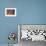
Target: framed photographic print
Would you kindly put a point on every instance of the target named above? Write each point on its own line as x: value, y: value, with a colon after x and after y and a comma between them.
x: 10, y: 11
x: 33, y: 32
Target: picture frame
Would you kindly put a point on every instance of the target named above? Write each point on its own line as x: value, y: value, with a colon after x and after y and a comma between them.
x: 39, y: 35
x: 10, y: 12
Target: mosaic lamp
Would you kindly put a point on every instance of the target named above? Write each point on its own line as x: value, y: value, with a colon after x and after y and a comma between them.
x: 11, y: 37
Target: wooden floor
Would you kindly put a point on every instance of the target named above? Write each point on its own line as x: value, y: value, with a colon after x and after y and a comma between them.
x: 30, y: 43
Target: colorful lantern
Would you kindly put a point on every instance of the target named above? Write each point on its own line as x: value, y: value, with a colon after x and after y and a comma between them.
x: 12, y: 36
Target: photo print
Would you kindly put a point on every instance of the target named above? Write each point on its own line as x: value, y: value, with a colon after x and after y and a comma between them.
x: 10, y: 11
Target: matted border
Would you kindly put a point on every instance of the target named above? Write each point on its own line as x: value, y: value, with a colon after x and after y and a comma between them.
x: 11, y: 9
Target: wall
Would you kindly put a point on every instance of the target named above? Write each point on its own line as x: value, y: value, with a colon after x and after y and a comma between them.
x: 28, y: 12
